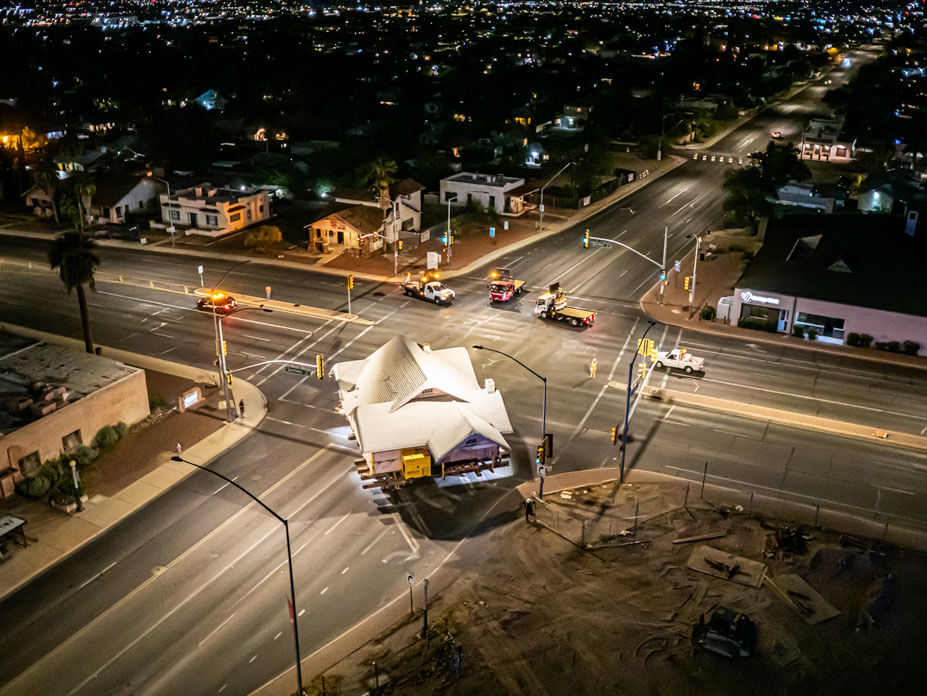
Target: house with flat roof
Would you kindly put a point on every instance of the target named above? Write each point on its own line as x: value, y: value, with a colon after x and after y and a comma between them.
x: 492, y: 191
x: 212, y: 211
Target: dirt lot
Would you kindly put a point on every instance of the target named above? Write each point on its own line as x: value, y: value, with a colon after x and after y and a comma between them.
x: 533, y: 613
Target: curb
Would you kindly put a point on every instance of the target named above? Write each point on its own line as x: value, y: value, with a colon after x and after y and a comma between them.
x: 152, y: 485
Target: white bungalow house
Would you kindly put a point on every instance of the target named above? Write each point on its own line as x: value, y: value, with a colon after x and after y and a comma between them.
x: 40, y: 201
x: 213, y: 212
x: 404, y: 213
x: 116, y: 196
x: 494, y: 192
x: 419, y: 412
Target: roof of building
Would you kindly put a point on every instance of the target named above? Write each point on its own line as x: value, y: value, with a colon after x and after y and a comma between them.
x: 30, y: 369
x: 901, y: 184
x: 499, y: 180
x: 405, y: 187
x: 112, y: 189
x: 404, y: 395
x: 857, y: 260
x: 211, y: 195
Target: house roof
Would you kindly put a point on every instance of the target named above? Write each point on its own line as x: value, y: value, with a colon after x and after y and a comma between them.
x: 403, y: 395
x: 112, y: 189
x: 857, y: 260
x: 405, y: 187
x: 901, y: 184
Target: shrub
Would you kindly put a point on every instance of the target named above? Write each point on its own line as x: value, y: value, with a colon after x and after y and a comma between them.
x: 155, y: 401
x: 865, y: 340
x: 881, y: 345
x: 910, y: 347
x: 812, y: 334
x: 33, y: 488
x: 122, y: 429
x: 106, y: 437
x: 84, y: 455
x: 708, y: 313
x: 894, y: 346
x: 852, y: 339
x: 756, y: 324
x: 798, y: 331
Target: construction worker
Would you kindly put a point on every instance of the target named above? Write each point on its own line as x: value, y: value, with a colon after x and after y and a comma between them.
x: 593, y: 364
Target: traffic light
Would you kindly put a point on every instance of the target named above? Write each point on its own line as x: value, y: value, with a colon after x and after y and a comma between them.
x: 444, y: 239
x: 541, y: 455
x: 662, y: 274
x: 642, y: 369
x: 228, y: 376
x: 614, y: 434
x: 586, y: 240
x: 350, y: 282
x: 319, y: 367
x: 685, y: 282
x: 399, y: 245
x: 225, y: 348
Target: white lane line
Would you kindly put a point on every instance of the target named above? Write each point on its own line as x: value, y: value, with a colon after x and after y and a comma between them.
x: 674, y: 197
x: 833, y: 402
x: 671, y: 409
x: 729, y: 432
x: 375, y: 540
x: 279, y: 633
x: 413, y: 545
x: 162, y: 335
x: 87, y: 582
x: 215, y: 630
x: 895, y: 490
x: 222, y: 688
x: 346, y: 568
x: 253, y: 658
x: 301, y: 612
x: 296, y: 384
x: 585, y: 258
x: 256, y: 338
x: 332, y: 528
x: 224, y: 485
x: 324, y: 590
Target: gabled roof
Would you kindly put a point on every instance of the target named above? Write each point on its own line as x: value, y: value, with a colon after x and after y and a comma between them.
x: 403, y: 395
x: 370, y: 195
x: 112, y: 189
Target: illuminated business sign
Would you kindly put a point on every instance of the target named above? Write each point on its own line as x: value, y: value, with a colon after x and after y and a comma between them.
x: 748, y: 296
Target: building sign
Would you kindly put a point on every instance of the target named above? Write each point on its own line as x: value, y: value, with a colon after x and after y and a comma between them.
x: 748, y: 296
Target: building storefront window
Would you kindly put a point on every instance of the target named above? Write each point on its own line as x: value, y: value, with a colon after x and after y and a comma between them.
x: 759, y: 317
x: 826, y: 327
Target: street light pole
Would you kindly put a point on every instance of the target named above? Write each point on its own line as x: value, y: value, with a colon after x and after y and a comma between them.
x: 169, y: 218
x: 450, y: 238
x: 627, y: 406
x: 562, y: 169
x: 217, y: 329
x: 289, y: 556
x: 544, y: 402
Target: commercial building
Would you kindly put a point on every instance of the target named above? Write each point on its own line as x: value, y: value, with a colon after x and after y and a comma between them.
x: 836, y: 275
x: 54, y: 400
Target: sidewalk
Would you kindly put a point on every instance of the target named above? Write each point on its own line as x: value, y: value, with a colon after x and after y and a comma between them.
x: 53, y: 535
x: 715, y: 278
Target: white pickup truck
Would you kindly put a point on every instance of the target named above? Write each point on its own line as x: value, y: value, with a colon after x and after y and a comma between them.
x: 428, y: 287
x: 679, y: 359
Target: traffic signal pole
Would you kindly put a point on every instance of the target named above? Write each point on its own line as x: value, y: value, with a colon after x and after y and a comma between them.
x: 627, y: 408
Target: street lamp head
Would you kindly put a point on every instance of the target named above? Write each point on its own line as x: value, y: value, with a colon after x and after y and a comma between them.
x: 175, y: 458
x: 478, y: 347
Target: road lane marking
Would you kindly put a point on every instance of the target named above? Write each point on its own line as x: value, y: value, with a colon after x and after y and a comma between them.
x: 413, y: 544
x: 324, y: 590
x: 253, y: 658
x: 279, y: 633
x: 90, y: 580
x: 332, y: 528
x: 256, y: 338
x: 375, y: 540
x: 345, y: 570
x: 215, y: 630
x: 895, y: 490
x: 115, y: 607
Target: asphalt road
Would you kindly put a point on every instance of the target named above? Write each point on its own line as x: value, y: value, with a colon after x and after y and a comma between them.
x: 192, y: 588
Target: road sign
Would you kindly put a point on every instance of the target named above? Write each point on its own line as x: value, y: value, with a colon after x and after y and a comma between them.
x: 295, y: 370
x: 677, y: 266
x: 542, y: 471
x: 492, y: 232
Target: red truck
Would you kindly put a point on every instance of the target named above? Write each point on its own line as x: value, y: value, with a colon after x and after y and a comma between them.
x: 503, y: 286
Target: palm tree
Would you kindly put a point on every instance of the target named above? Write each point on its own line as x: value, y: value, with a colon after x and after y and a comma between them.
x: 46, y: 177
x: 74, y: 255
x: 84, y: 190
x: 382, y: 171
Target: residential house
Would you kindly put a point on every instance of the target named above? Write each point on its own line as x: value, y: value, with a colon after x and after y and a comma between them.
x: 340, y: 226
x: 821, y: 140
x: 118, y: 195
x: 535, y: 155
x: 492, y: 192
x: 40, y: 200
x: 213, y: 212
x: 811, y: 197
x: 420, y: 411
x: 893, y: 191
x: 405, y: 206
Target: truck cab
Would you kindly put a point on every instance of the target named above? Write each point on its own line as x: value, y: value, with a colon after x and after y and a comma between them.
x: 428, y: 287
x: 503, y: 286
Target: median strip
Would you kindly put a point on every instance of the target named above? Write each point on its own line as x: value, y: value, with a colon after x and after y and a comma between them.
x: 792, y: 418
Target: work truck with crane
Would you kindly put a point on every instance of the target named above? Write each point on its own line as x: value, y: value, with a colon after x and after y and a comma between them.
x: 503, y: 286
x: 553, y: 305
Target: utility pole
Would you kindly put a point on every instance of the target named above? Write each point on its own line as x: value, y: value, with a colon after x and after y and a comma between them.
x: 698, y: 244
x: 663, y: 266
